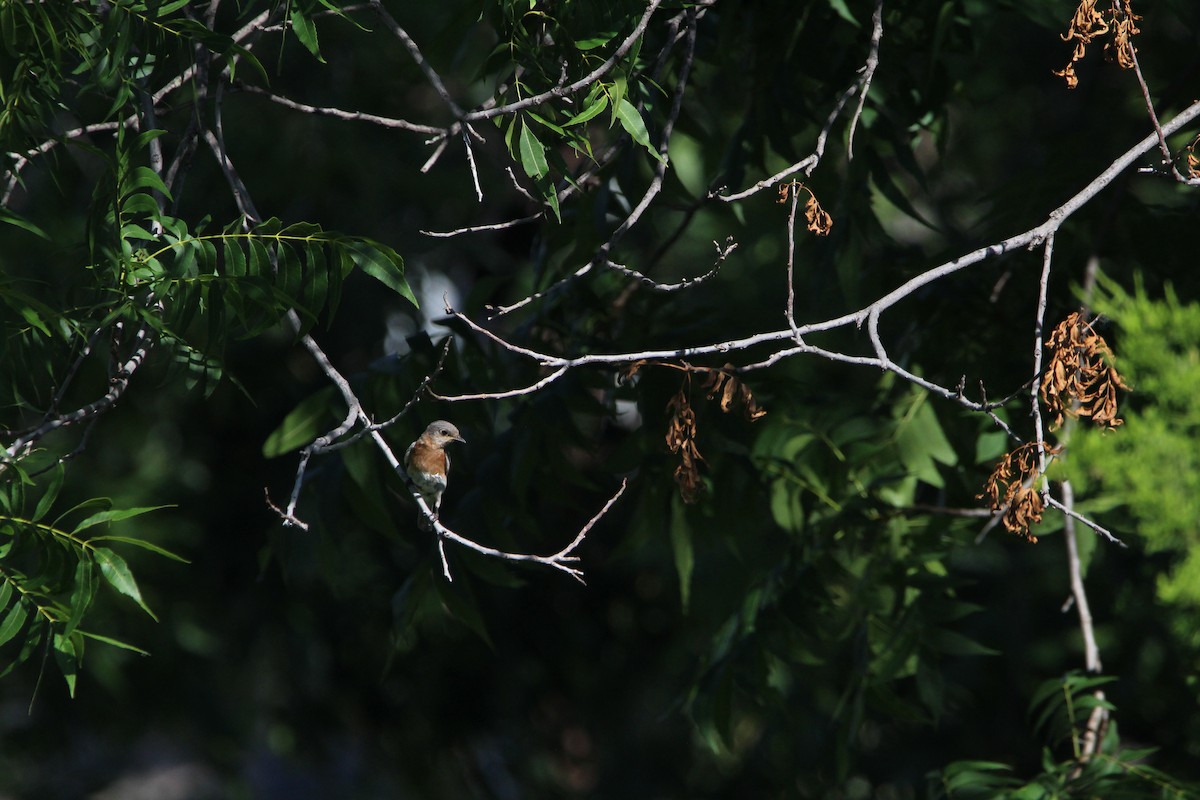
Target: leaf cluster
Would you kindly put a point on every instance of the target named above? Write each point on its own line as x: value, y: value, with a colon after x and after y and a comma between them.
x: 51, y: 569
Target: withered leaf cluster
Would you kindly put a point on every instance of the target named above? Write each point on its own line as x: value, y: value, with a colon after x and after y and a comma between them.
x: 732, y: 391
x: 1080, y: 380
x: 721, y: 383
x: 1089, y: 24
x: 681, y: 439
x: 1012, y: 488
x: 816, y: 218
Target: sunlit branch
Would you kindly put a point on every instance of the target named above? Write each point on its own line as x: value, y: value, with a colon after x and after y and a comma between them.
x: 1038, y: 329
x: 532, y: 388
x: 723, y: 252
x: 790, y: 309
x: 870, y: 314
x: 562, y: 560
x: 868, y: 72
x: 495, y: 226
x: 1168, y: 156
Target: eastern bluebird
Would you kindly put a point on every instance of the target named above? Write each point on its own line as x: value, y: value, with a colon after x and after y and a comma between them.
x: 427, y: 464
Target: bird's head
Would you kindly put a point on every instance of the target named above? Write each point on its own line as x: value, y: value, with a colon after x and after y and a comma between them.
x: 442, y: 433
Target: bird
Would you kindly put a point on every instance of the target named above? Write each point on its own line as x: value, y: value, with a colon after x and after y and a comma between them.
x: 426, y: 463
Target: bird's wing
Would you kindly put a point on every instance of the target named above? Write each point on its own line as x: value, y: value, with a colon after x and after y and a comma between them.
x: 408, y: 455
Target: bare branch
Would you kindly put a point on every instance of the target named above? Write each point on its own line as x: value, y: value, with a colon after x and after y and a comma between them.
x: 1070, y: 512
x: 1041, y: 234
x: 723, y: 252
x: 337, y: 113
x: 868, y: 72
x: 1038, y: 328
x: 471, y: 161
x: 790, y: 310
x: 585, y: 82
x: 1168, y: 157
x: 143, y: 342
x: 496, y: 226
x: 14, y: 172
x: 809, y: 162
x: 562, y: 560
x: 1091, y: 651
x: 431, y: 75
x: 534, y: 387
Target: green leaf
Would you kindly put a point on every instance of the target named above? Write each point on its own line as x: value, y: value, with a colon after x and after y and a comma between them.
x: 114, y: 642
x: 23, y: 224
x: 47, y: 499
x: 594, y: 110
x: 142, y: 543
x: 549, y: 193
x: 955, y: 644
x: 921, y: 441
x: 681, y: 545
x: 67, y: 651
x: 115, y: 515
x: 616, y: 95
x: 306, y: 32
x: 881, y: 177
x: 989, y: 446
x: 383, y: 264
x: 116, y: 572
x: 843, y: 11
x: 461, y: 604
x: 146, y: 178
x: 592, y: 42
x: 35, y: 319
x: 533, y: 153
x: 13, y: 622
x: 300, y: 426
x: 631, y: 121
x: 546, y: 123
x: 82, y: 593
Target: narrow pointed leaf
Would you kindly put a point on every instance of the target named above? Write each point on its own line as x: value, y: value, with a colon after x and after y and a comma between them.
x: 533, y: 154
x: 142, y: 543
x: 116, y: 572
x: 115, y: 515
x: 13, y: 621
x: 633, y: 124
x: 306, y: 32
x: 383, y: 264
x: 51, y: 494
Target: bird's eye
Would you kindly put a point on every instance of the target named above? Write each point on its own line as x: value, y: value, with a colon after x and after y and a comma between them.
x: 445, y: 432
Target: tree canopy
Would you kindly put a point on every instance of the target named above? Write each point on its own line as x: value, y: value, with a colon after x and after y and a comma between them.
x: 827, y: 370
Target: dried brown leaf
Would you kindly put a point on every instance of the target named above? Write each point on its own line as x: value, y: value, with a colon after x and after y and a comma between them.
x: 1079, y: 381
x: 819, y: 221
x: 1089, y: 24
x: 1011, y: 490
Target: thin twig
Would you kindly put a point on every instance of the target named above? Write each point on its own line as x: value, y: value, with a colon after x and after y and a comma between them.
x: 337, y: 113
x: 1038, y: 328
x: 790, y: 309
x: 414, y: 51
x: 868, y: 74
x: 1168, y: 157
x: 586, y: 82
x: 1091, y: 652
x: 562, y: 560
x: 1070, y: 512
